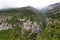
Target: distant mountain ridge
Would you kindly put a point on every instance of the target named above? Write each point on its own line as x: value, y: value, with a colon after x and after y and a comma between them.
x: 51, y: 8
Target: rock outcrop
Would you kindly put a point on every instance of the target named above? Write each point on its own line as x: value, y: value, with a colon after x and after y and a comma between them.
x: 32, y: 26
x: 5, y: 26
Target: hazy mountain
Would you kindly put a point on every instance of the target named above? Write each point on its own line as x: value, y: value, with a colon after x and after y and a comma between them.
x: 52, y: 19
x: 26, y: 23
x: 39, y: 24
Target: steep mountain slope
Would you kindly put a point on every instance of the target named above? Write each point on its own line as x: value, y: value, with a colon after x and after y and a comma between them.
x: 25, y: 23
x: 51, y: 8
x: 28, y: 23
x: 52, y: 19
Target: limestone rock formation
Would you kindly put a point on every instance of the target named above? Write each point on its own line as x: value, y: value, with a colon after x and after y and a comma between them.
x: 32, y: 26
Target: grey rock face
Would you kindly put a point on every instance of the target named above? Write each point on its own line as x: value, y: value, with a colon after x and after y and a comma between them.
x: 34, y: 27
x: 5, y: 26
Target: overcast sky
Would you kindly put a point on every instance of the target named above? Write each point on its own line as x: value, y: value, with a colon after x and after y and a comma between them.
x: 22, y: 3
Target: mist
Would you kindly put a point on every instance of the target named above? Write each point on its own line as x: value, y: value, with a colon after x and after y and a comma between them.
x: 22, y: 3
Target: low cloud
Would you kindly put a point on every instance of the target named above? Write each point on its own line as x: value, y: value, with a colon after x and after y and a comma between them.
x: 22, y: 3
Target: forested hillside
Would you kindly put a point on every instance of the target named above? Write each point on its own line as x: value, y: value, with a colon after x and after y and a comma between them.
x: 52, y: 30
x: 28, y: 23
x: 19, y: 24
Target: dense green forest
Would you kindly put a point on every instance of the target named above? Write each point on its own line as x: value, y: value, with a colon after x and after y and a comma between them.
x: 28, y: 23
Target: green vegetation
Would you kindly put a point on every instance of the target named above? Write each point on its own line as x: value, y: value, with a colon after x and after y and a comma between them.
x: 48, y: 22
x: 17, y: 33
x: 51, y: 32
